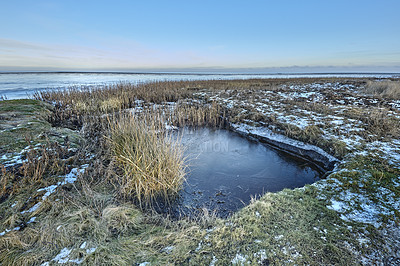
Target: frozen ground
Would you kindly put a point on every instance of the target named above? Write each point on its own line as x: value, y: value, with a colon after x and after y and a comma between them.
x: 332, y: 118
x: 344, y: 117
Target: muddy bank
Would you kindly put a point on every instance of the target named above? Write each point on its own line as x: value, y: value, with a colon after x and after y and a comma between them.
x: 322, y: 160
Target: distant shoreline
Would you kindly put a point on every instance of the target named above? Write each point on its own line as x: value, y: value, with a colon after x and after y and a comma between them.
x: 198, y: 73
x: 16, y: 85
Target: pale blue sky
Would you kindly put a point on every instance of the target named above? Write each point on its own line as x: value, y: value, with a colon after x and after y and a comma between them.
x: 132, y: 35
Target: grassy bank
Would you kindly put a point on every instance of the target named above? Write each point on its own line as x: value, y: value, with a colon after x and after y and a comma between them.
x: 72, y: 188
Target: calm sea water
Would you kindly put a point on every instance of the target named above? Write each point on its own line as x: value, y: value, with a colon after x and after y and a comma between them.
x: 22, y: 85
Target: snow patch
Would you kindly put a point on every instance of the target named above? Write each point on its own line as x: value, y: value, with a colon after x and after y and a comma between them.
x: 69, y: 179
x: 63, y: 256
x: 268, y: 134
x: 240, y: 259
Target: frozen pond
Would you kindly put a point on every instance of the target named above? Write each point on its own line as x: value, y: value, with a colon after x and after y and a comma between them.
x: 227, y: 170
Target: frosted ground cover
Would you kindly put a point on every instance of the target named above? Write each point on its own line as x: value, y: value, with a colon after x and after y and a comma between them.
x: 354, y: 210
x: 67, y: 179
x: 331, y: 107
x: 285, y: 105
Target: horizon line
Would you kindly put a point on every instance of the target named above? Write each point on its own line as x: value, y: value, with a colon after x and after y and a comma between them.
x: 189, y: 72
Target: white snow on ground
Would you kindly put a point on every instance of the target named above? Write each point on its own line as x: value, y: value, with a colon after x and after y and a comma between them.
x: 16, y: 158
x: 168, y: 249
x: 370, y: 207
x: 395, y: 104
x: 240, y: 259
x: 338, y: 206
x: 337, y: 124
x: 391, y: 150
x: 31, y: 220
x: 337, y: 110
x: 336, y: 114
x: 300, y: 122
x: 69, y: 178
x: 369, y: 211
x: 214, y: 261
x: 262, y: 255
x: 9, y: 230
x: 91, y: 250
x: 64, y: 255
x: 83, y: 245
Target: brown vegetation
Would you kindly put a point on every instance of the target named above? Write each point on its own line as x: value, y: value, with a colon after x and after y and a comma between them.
x: 152, y: 164
x: 384, y: 88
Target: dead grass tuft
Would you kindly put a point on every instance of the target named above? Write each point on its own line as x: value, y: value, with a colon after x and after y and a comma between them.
x: 385, y: 88
x: 47, y: 159
x: 152, y: 166
x: 379, y: 123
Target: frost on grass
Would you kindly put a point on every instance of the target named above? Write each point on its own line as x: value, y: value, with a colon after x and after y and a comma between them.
x: 359, y: 206
x: 214, y: 261
x: 368, y: 212
x: 389, y: 150
x: 332, y: 108
x: 68, y: 179
x: 168, y: 249
x: 240, y: 259
x: 9, y: 230
x: 64, y: 256
x: 261, y: 255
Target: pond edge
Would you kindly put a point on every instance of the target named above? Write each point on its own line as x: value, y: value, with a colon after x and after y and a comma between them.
x: 314, y: 154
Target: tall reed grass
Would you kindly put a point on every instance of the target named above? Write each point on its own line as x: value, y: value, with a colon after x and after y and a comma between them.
x: 151, y: 164
x: 195, y: 115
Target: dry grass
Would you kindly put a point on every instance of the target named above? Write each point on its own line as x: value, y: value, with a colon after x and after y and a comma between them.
x: 118, y: 232
x: 40, y: 167
x: 72, y: 104
x: 45, y: 160
x: 379, y: 123
x: 141, y: 163
x: 152, y: 165
x: 385, y: 88
x: 195, y: 115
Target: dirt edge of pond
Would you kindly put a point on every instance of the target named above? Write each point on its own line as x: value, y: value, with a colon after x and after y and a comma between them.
x: 323, y: 161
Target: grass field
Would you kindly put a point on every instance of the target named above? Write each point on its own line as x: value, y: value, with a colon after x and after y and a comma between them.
x: 81, y: 170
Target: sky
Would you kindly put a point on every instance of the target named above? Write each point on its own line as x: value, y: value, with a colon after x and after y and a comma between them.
x: 269, y: 36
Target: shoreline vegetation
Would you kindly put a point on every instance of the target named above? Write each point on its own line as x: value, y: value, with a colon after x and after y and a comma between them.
x: 82, y: 168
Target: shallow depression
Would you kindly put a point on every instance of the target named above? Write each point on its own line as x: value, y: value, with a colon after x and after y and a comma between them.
x: 227, y: 170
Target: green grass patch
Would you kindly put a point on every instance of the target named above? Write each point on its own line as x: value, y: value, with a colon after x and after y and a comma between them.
x: 23, y: 106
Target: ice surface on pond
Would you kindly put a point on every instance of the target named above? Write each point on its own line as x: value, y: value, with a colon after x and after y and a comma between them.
x: 226, y: 170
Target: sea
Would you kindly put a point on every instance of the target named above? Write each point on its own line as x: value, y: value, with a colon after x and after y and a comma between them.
x: 23, y: 85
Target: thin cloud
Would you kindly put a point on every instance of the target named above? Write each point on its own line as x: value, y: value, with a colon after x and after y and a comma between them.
x: 123, y: 54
